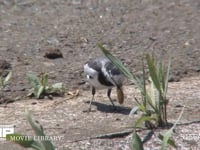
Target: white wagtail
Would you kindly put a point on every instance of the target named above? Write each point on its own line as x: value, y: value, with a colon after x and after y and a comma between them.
x: 102, y: 73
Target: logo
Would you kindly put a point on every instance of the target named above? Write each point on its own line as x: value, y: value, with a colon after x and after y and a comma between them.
x: 6, y: 129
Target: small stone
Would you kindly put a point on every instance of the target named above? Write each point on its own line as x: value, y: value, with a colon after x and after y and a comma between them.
x: 174, y: 78
x: 4, y: 64
x: 34, y: 103
x: 6, y: 89
x: 53, y: 53
x: 117, y: 119
x: 177, y: 106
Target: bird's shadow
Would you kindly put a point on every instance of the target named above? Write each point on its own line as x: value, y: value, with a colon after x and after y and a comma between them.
x: 110, y: 109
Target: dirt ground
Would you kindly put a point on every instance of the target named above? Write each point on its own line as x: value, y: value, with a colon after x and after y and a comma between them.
x: 30, y: 29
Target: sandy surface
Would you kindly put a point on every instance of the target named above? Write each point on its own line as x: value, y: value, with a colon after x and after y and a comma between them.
x: 29, y: 29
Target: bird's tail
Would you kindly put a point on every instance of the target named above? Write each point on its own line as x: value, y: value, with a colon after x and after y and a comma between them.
x: 120, y: 95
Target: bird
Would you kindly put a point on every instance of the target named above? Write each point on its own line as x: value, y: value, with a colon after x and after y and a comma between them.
x: 101, y: 73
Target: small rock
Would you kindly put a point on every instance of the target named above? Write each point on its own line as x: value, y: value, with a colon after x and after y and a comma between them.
x: 152, y: 38
x: 33, y: 103
x: 174, y: 78
x: 4, y: 64
x: 117, y: 119
x: 179, y: 105
x: 7, y: 89
x: 53, y: 53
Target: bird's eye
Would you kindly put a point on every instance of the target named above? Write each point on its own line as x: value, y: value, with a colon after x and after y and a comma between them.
x: 89, y: 77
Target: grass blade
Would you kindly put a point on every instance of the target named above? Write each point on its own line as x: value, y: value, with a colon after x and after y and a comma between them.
x: 134, y: 110
x: 136, y: 142
x: 117, y: 63
x: 39, y: 91
x: 167, y: 77
x: 169, y: 133
x: 152, y: 94
x: 39, y: 131
x: 143, y: 119
x: 170, y: 140
x: 7, y: 78
x: 44, y: 80
x: 33, y: 80
x: 153, y: 71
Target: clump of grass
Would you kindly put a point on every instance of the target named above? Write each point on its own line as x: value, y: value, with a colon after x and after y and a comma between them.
x: 30, y: 142
x: 40, y: 87
x: 153, y: 102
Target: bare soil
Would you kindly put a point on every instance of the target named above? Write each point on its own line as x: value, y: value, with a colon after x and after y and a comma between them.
x: 70, y: 29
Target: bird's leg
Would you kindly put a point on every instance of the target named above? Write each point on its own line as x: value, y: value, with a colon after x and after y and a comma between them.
x: 93, y: 93
x: 108, y: 94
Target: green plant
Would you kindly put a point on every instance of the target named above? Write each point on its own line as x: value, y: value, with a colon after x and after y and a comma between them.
x: 136, y: 142
x: 153, y: 103
x: 29, y: 142
x: 40, y: 86
x: 4, y: 80
x: 166, y: 137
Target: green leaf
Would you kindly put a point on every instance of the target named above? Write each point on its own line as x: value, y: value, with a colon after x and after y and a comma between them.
x: 168, y: 134
x: 143, y: 89
x: 152, y: 93
x: 161, y: 76
x: 134, y: 110
x: 25, y: 141
x: 30, y: 92
x: 39, y: 91
x: 33, y: 80
x: 142, y: 108
x: 153, y: 71
x: 170, y: 141
x: 44, y: 80
x: 7, y: 78
x: 150, y: 103
x: 166, y: 138
x: 57, y: 88
x: 167, y: 77
x: 118, y: 64
x: 35, y: 84
x: 38, y: 129
x: 57, y: 85
x: 143, y: 119
x: 136, y: 142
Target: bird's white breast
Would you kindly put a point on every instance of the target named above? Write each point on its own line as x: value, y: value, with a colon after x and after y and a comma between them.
x: 92, y: 77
